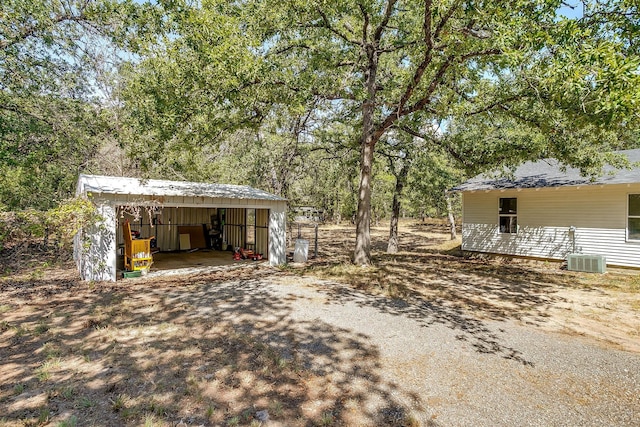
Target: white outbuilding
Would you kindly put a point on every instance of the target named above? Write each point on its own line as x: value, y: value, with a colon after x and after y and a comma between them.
x: 179, y: 215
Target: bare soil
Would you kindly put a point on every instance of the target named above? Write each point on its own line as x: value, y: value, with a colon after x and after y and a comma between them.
x: 430, y: 266
x: 196, y: 350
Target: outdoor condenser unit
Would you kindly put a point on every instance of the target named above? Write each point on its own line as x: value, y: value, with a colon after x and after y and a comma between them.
x: 588, y: 263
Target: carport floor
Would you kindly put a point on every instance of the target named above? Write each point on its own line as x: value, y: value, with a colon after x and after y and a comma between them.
x: 200, y: 261
x: 199, y: 258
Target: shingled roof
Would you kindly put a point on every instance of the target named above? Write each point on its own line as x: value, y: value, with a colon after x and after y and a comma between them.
x: 549, y: 173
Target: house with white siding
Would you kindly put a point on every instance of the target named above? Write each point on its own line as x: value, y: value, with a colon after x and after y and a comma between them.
x: 546, y: 211
x: 244, y: 217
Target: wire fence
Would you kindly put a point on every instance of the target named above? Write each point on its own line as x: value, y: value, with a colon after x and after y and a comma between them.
x: 302, y: 231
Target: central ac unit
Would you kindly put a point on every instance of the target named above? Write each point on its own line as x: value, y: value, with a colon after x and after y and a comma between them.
x: 588, y: 263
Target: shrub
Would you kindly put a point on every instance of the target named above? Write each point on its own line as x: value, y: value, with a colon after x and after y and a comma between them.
x: 33, y: 228
x: 65, y: 220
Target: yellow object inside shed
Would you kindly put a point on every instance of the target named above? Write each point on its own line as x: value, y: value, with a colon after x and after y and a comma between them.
x: 137, y: 252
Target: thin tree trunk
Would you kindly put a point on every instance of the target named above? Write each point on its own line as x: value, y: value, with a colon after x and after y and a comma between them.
x: 45, y: 240
x: 452, y: 220
x: 392, y: 246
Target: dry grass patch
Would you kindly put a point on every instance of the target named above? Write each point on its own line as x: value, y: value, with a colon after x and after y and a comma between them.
x: 431, y: 268
x: 176, y: 350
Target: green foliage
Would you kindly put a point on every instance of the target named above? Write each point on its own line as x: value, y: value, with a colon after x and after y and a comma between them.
x: 20, y: 226
x: 382, y: 193
x: 65, y: 220
x: 592, y: 69
x: 59, y: 224
x: 567, y: 88
x: 57, y: 65
x: 432, y: 174
x: 185, y: 93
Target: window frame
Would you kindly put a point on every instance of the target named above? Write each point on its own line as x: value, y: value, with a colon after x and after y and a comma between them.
x: 507, y: 215
x: 629, y: 216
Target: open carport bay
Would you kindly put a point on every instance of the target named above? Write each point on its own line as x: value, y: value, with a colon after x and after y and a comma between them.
x: 174, y: 215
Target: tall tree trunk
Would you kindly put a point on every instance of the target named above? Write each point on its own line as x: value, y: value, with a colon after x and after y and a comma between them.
x: 362, y: 253
x: 368, y: 140
x: 392, y: 246
x: 452, y: 220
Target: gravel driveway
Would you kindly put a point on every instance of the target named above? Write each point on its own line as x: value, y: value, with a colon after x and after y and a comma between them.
x: 439, y: 365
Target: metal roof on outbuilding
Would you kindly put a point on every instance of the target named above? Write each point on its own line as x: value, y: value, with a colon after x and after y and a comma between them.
x: 155, y: 187
x: 550, y: 173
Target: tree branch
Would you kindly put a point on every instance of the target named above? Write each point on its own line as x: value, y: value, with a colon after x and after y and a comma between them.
x: 479, y: 53
x: 397, y: 47
x: 443, y: 22
x: 520, y: 117
x: 31, y: 30
x: 437, y: 79
x: 290, y: 47
x: 365, y: 25
x: 459, y: 157
x: 19, y: 111
x: 501, y: 103
x: 328, y: 26
x: 417, y: 76
x: 377, y: 35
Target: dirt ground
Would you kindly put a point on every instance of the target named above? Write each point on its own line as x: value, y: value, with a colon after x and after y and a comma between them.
x: 429, y: 266
x: 197, y: 350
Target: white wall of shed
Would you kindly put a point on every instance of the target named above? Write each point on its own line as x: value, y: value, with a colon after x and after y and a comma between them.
x: 277, y: 234
x: 598, y: 212
x: 95, y: 247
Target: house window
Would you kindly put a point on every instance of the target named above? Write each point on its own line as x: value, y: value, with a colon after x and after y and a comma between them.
x: 633, y: 228
x: 508, y: 215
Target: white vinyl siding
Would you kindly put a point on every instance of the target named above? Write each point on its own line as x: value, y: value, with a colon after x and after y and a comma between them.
x: 599, y: 214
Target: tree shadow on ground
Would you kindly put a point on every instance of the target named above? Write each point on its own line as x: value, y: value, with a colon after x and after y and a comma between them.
x: 428, y: 313
x: 212, y: 351
x: 430, y: 280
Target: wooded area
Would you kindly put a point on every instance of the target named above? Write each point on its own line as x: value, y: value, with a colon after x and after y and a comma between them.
x: 365, y: 110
